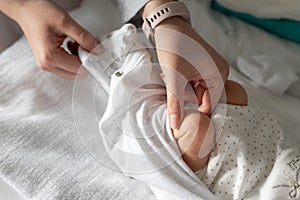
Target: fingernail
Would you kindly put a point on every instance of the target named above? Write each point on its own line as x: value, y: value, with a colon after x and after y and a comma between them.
x: 174, y: 121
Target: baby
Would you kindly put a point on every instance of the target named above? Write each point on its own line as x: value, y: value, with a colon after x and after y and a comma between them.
x: 239, y: 152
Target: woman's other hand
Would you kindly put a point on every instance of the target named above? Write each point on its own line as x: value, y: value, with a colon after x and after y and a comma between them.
x: 46, y: 26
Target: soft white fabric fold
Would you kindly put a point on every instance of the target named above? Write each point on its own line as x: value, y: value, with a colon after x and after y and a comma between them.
x: 41, y: 152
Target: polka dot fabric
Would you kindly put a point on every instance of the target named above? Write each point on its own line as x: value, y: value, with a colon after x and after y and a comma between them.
x: 251, y: 157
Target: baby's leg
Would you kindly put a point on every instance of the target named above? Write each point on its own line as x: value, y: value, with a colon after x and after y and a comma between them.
x: 195, y: 138
x: 234, y: 94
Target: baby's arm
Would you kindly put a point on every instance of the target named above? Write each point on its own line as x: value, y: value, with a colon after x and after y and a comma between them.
x: 195, y: 137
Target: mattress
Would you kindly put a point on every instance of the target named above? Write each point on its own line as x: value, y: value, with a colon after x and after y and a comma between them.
x: 48, y: 100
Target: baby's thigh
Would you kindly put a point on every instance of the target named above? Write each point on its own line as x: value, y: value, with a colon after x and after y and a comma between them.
x: 195, y: 138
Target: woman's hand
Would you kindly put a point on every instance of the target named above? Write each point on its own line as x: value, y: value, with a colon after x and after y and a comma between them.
x: 186, y: 58
x: 46, y: 26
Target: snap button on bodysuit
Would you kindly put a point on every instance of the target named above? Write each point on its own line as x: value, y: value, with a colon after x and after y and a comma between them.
x: 119, y: 73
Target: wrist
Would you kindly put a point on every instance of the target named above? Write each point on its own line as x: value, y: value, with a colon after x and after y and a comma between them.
x: 151, y: 5
x: 175, y: 22
x: 11, y: 7
x: 166, y: 14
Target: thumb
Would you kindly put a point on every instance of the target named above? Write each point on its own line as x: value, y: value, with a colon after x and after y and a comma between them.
x: 206, y: 104
x: 84, y: 38
x: 175, y: 84
x: 175, y: 106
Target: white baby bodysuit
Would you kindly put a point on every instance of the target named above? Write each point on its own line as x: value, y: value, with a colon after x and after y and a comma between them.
x: 252, y: 159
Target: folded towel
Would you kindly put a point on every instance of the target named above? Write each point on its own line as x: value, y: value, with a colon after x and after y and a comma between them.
x: 271, y: 72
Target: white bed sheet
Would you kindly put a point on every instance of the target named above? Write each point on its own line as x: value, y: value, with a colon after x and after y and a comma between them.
x: 230, y: 36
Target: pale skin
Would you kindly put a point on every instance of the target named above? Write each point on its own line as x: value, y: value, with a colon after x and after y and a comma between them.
x: 46, y: 26
x: 192, y: 140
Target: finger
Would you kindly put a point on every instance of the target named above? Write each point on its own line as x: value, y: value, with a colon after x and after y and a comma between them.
x: 199, y: 90
x: 190, y: 94
x: 210, y: 98
x: 65, y: 74
x: 84, y: 38
x: 69, y: 62
x: 194, y: 93
x: 205, y: 106
x: 174, y: 109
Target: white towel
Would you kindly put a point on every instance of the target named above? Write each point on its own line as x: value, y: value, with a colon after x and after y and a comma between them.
x: 41, y: 154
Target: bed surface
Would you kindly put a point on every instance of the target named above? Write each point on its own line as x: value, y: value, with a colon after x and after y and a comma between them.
x: 37, y: 106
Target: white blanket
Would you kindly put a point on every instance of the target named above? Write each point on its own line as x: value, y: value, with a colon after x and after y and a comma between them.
x: 41, y: 154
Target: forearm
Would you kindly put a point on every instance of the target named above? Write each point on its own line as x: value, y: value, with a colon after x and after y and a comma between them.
x: 151, y: 5
x: 130, y: 8
x: 11, y: 7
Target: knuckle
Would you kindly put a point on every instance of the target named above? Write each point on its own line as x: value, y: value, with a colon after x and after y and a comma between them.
x: 44, y: 67
x: 83, y: 35
x: 62, y: 19
x: 173, y: 105
x: 173, y: 100
x: 45, y: 60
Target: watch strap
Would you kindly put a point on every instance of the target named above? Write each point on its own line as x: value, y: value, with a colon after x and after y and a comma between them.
x: 163, y: 12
